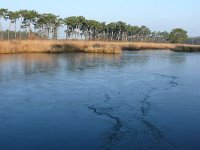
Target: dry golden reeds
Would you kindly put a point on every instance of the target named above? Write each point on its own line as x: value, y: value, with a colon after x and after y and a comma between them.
x: 187, y: 48
x: 43, y: 46
x: 60, y: 46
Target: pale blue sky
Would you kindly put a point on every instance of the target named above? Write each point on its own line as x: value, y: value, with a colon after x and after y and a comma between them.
x: 156, y: 14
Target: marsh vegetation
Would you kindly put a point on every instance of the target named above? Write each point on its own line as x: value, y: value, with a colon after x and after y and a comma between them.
x: 83, y: 35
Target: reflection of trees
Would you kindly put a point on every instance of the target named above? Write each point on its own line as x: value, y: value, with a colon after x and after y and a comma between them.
x: 18, y: 64
x: 88, y: 61
x: 15, y: 65
x: 137, y: 57
x: 83, y: 62
x: 177, y: 58
x: 40, y: 63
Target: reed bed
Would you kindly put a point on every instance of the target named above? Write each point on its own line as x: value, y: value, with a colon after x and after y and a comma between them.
x: 57, y: 46
x: 64, y: 46
x: 187, y: 48
x: 144, y: 46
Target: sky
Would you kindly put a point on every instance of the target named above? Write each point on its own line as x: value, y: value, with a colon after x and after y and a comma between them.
x: 156, y: 14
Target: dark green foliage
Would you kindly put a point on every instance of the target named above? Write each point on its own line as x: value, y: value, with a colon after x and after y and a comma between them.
x: 178, y: 36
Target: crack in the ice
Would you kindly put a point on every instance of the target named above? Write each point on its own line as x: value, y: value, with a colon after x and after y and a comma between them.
x: 145, y: 108
x: 113, y: 135
x: 108, y: 98
x: 120, y: 129
x: 155, y: 131
x: 171, y: 82
x: 145, y: 105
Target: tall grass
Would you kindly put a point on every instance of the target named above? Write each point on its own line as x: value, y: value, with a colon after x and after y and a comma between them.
x: 44, y: 46
x: 61, y: 46
x: 187, y: 48
x: 143, y: 46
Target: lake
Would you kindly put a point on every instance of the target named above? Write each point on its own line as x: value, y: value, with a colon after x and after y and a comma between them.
x: 141, y: 100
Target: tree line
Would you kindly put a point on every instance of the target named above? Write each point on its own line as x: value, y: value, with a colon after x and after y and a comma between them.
x: 194, y: 40
x: 46, y: 26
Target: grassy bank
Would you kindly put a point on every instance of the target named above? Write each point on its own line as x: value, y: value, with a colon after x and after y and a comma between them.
x: 61, y: 46
x: 144, y: 46
x: 47, y: 46
x: 187, y: 48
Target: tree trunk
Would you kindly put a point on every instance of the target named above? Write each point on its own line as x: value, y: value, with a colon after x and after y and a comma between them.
x: 75, y: 34
x: 9, y: 30
x: 55, y: 33
x: 20, y: 32
x: 85, y: 34
x: 66, y: 32
x: 48, y: 34
x: 81, y: 36
x: 1, y: 31
x: 29, y: 34
x: 15, y: 29
x: 112, y: 36
x: 89, y: 35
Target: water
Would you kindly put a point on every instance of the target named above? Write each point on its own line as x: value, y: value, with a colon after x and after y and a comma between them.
x: 145, y: 100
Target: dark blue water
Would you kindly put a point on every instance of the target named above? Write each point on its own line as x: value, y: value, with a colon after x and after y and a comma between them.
x: 146, y: 100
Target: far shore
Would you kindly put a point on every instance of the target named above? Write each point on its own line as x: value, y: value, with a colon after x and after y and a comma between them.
x: 102, y: 47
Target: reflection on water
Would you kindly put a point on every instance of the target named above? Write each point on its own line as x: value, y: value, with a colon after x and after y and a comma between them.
x: 35, y: 63
x: 136, y: 100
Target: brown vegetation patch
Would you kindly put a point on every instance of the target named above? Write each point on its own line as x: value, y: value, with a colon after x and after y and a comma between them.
x: 61, y: 46
x: 187, y: 48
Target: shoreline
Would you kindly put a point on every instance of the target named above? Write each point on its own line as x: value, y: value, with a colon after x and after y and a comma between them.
x: 101, y: 47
